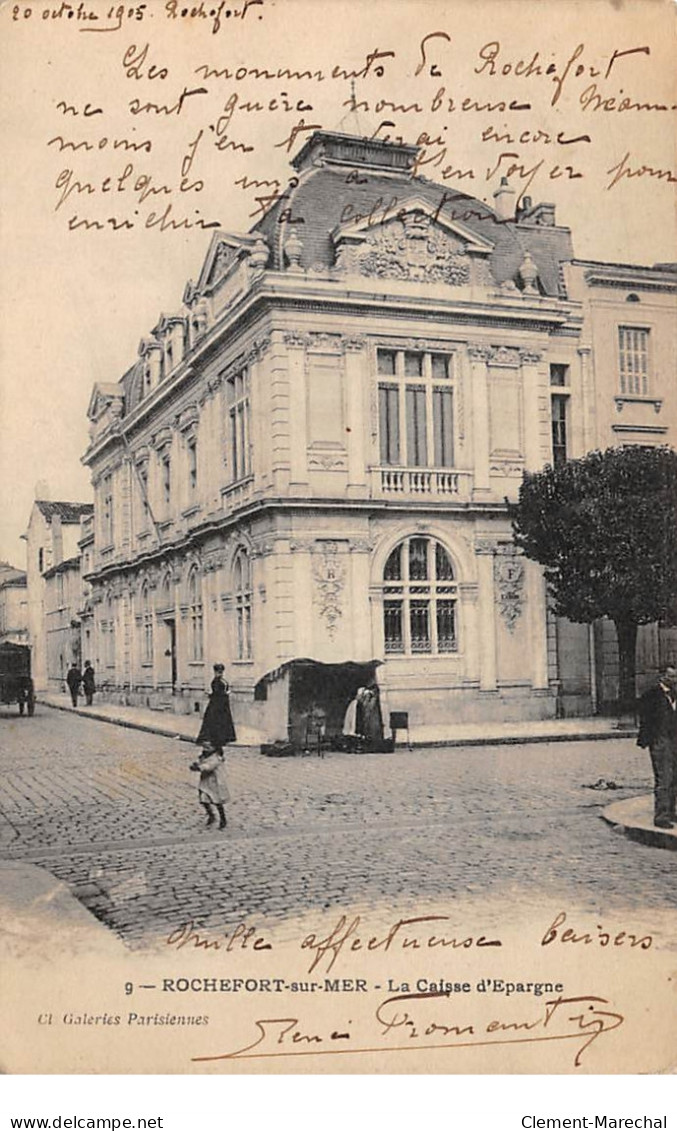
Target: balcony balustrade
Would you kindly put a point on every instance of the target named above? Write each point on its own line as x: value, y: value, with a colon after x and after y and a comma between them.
x: 431, y: 482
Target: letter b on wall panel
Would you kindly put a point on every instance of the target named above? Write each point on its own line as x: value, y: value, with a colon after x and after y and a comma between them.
x: 326, y: 424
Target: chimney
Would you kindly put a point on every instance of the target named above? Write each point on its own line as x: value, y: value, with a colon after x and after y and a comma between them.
x: 504, y: 201
x: 57, y: 539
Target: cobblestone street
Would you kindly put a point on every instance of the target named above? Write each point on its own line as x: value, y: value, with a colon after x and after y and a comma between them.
x: 113, y: 812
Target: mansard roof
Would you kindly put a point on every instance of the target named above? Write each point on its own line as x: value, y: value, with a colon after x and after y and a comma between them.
x: 344, y: 178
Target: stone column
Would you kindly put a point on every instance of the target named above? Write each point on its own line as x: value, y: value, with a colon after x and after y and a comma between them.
x: 587, y: 408
x: 289, y: 414
x: 356, y: 379
x: 302, y: 582
x: 538, y: 636
x: 486, y: 615
x: 358, y: 599
x: 532, y: 382
x: 468, y: 629
x: 479, y: 354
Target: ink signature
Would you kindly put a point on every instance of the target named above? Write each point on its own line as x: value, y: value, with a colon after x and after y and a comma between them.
x: 417, y: 1022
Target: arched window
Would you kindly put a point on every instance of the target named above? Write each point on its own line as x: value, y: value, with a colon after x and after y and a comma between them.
x: 419, y: 599
x: 166, y: 601
x: 146, y: 625
x: 242, y: 587
x: 195, y: 613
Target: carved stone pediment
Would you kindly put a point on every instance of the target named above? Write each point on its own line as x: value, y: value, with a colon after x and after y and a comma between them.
x: 416, y: 244
x: 225, y: 255
x: 105, y: 398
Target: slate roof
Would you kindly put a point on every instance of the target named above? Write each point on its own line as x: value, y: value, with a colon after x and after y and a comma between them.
x: 324, y: 191
x: 69, y: 513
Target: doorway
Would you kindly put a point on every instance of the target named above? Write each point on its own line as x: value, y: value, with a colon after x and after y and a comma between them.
x: 170, y: 652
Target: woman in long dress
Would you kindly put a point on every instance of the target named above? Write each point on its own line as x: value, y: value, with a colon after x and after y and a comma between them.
x: 217, y: 725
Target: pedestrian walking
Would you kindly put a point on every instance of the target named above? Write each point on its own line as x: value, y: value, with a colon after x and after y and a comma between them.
x: 74, y: 679
x: 217, y: 725
x: 658, y: 731
x: 211, y: 790
x: 88, y: 683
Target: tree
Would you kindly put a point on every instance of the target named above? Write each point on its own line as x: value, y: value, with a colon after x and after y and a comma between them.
x: 605, y: 529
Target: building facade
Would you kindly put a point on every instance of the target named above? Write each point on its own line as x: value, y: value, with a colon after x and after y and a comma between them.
x: 13, y: 605
x: 629, y: 341
x: 51, y: 539
x: 311, y: 457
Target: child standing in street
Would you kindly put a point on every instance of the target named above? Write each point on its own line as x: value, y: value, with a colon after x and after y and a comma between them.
x: 211, y: 791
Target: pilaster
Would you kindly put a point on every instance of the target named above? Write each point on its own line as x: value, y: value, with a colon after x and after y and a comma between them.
x: 487, y: 616
x: 478, y: 355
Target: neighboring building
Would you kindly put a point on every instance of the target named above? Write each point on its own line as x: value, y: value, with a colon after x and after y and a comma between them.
x: 629, y: 343
x: 63, y: 600
x: 85, y: 612
x: 311, y: 457
x: 51, y: 539
x: 13, y: 605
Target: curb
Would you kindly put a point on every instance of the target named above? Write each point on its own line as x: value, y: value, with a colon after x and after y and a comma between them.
x: 523, y: 740
x: 129, y: 724
x: 491, y: 740
x: 633, y: 818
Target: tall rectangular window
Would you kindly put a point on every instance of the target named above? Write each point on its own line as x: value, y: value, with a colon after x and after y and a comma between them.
x: 389, y: 423
x: 633, y: 356
x: 442, y: 428
x: 417, y: 448
x: 416, y: 425
x: 238, y: 413
x: 166, y: 480
x: 192, y: 465
x: 559, y: 430
x: 559, y: 374
x: 107, y: 510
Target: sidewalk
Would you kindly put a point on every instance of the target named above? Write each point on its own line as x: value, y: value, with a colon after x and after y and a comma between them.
x: 185, y: 727
x: 634, y: 818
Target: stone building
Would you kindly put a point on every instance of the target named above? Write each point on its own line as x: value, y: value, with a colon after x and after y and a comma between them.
x: 63, y: 599
x: 629, y: 343
x: 310, y: 457
x: 51, y: 540
x: 13, y: 605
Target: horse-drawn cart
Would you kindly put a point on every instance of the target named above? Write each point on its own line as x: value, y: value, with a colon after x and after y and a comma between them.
x: 16, y: 685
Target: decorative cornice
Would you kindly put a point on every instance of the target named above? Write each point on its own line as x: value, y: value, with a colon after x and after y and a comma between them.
x: 478, y: 351
x: 162, y: 439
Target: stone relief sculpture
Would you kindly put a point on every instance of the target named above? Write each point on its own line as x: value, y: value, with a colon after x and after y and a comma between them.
x: 413, y: 248
x: 329, y: 575
x: 509, y: 579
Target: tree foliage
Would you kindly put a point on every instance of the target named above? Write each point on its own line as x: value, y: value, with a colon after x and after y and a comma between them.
x: 605, y: 529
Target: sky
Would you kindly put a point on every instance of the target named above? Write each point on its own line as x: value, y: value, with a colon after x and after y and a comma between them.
x: 75, y: 303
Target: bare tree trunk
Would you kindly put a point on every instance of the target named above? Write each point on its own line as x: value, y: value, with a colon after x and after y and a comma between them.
x: 626, y: 631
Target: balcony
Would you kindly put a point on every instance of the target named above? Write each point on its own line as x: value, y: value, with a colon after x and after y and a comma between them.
x: 237, y: 494
x: 428, y: 482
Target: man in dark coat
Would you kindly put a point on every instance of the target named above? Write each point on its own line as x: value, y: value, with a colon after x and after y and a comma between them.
x: 74, y: 679
x: 658, y: 731
x: 88, y: 683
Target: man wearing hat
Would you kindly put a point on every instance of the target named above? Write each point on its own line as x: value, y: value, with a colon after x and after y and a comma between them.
x: 658, y: 731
